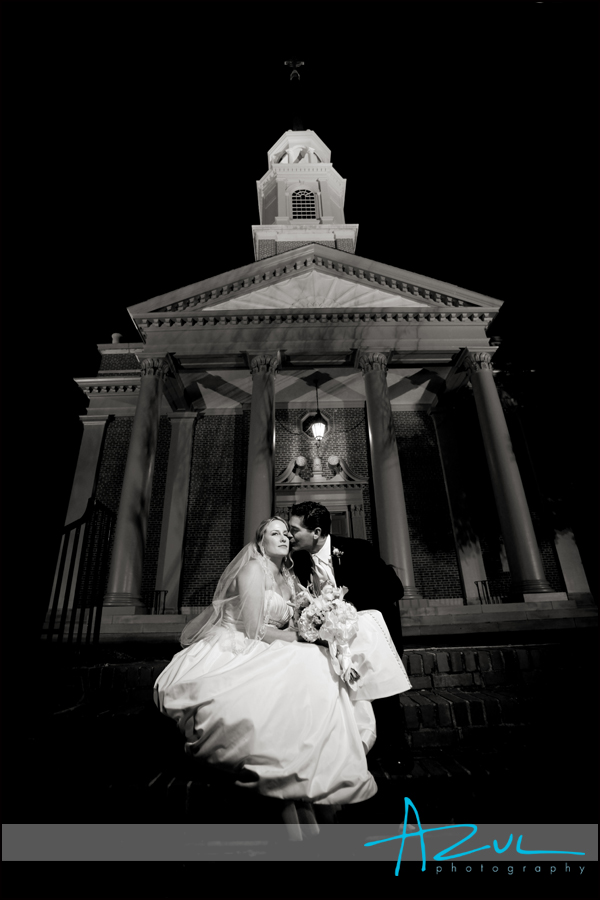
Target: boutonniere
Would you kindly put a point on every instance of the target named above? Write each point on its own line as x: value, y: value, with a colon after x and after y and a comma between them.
x: 337, y: 552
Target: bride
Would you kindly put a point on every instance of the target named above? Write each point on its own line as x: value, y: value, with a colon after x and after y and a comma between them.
x: 251, y: 697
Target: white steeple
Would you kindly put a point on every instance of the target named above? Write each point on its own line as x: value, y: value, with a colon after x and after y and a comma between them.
x: 301, y: 199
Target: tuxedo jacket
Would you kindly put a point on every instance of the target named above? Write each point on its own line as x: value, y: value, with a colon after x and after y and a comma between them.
x: 371, y: 583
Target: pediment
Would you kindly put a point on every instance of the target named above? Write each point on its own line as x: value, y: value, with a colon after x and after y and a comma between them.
x: 313, y: 276
x: 316, y: 290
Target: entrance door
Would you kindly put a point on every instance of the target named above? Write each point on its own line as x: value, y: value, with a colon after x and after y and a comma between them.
x: 340, y: 524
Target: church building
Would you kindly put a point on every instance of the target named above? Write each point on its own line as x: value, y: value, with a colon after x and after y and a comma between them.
x: 311, y: 373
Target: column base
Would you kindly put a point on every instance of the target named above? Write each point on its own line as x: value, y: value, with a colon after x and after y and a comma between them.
x: 540, y: 598
x: 133, y: 604
x: 125, y: 611
x: 411, y: 593
x: 533, y: 586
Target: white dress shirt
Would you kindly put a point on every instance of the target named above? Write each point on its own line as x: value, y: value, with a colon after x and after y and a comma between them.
x: 323, y: 563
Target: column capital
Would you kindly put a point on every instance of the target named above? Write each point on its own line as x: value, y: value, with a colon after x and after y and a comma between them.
x: 156, y: 366
x: 478, y: 361
x: 264, y: 362
x: 374, y: 361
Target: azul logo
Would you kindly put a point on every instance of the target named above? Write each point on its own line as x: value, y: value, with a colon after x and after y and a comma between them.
x: 420, y: 832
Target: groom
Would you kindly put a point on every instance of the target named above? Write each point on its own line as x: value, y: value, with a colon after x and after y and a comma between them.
x: 320, y: 557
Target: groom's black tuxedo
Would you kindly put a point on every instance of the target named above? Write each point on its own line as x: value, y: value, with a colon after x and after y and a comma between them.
x: 371, y: 583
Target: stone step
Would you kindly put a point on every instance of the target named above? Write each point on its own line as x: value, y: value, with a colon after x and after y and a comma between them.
x: 460, y: 670
x: 539, y: 612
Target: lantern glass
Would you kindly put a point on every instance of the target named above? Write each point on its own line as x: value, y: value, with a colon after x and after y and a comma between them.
x: 318, y: 430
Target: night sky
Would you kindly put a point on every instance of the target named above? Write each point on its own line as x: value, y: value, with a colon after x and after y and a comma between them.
x: 134, y: 134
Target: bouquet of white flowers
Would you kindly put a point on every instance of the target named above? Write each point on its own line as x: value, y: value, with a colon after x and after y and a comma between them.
x: 329, y: 617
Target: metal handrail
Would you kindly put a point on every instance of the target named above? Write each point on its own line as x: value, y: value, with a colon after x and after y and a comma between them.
x: 160, y: 599
x: 490, y: 591
x: 86, y: 569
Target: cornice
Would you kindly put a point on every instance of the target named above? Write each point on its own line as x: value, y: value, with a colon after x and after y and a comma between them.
x: 286, y: 172
x: 265, y: 319
x: 124, y: 347
x: 109, y: 385
x: 300, y: 225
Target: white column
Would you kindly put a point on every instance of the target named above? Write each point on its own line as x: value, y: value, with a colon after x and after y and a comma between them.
x: 170, y: 554
x: 260, y: 473
x: 88, y: 465
x: 125, y: 578
x: 523, y: 554
x: 390, y: 508
x: 83, y: 488
x: 571, y: 565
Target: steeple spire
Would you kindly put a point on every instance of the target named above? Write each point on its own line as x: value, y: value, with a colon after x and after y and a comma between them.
x: 295, y: 91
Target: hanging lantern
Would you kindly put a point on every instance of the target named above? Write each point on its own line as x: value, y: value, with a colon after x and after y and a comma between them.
x: 318, y: 425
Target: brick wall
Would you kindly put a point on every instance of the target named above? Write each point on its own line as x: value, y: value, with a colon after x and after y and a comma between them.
x: 155, y: 513
x: 215, y: 520
x: 112, y: 464
x: 283, y: 246
x: 118, y: 362
x: 429, y: 523
x: 346, y: 438
x: 266, y: 249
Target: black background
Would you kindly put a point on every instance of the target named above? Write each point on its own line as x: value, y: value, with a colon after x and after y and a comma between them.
x: 133, y: 134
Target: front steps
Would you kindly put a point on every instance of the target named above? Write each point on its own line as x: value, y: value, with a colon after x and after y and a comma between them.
x: 439, y: 618
x: 504, y: 731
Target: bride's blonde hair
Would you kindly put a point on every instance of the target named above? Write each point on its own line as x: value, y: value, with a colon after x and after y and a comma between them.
x: 260, y: 534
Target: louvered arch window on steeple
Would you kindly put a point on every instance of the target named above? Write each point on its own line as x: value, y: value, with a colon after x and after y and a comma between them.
x: 304, y: 204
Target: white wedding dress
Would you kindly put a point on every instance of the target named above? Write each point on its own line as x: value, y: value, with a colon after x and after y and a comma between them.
x: 277, y: 715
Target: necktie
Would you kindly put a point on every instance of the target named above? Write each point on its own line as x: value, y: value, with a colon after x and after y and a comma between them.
x: 323, y: 577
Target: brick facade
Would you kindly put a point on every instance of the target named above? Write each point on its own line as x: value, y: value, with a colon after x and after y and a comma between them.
x: 266, y: 249
x: 215, y: 520
x: 284, y: 246
x: 429, y: 524
x: 118, y: 362
x: 346, y: 438
x: 114, y: 457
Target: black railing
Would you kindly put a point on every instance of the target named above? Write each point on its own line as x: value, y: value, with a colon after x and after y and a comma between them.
x: 493, y: 591
x: 81, y: 575
x: 159, y: 603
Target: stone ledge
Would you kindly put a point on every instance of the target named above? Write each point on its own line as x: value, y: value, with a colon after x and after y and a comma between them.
x: 467, y: 671
x: 432, y: 627
x: 145, y: 619
x: 431, y: 604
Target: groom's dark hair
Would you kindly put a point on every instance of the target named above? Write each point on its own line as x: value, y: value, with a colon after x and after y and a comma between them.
x: 314, y: 516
